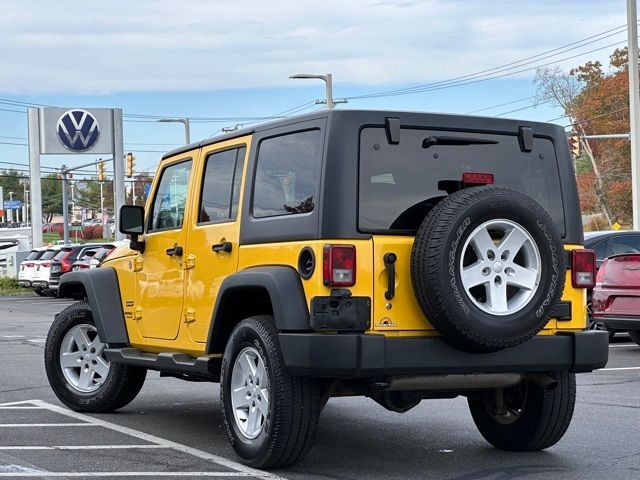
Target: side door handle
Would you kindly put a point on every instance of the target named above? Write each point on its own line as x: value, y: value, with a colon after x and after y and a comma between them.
x: 176, y: 250
x: 222, y: 247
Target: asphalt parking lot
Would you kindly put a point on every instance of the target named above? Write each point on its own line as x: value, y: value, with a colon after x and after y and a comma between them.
x: 174, y: 429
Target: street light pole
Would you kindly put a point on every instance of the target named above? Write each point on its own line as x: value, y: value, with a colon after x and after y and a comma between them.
x: 328, y: 80
x: 10, y: 207
x: 65, y: 206
x: 185, y: 122
x: 634, y: 108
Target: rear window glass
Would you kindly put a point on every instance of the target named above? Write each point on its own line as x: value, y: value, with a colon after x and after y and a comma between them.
x: 48, y: 255
x: 287, y: 174
x: 61, y: 254
x: 399, y: 184
x: 34, y: 255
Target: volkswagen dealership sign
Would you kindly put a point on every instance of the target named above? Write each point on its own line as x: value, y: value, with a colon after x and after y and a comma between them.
x: 78, y: 130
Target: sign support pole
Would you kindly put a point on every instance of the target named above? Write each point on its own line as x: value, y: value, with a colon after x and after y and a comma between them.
x: 118, y: 170
x: 65, y: 206
x: 35, y: 184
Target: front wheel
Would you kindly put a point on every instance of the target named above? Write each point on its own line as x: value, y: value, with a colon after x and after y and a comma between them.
x: 270, y: 416
x: 526, y: 417
x: 78, y: 373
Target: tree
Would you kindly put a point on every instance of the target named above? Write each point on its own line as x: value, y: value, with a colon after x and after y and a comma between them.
x: 13, y: 181
x: 565, y: 90
x: 51, y: 196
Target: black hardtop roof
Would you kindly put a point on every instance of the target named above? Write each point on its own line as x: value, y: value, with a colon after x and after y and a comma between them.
x: 454, y: 120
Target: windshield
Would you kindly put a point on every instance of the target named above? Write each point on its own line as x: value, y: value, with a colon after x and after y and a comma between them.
x: 399, y: 184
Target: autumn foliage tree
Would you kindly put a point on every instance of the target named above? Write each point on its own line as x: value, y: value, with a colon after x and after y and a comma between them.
x: 597, y: 103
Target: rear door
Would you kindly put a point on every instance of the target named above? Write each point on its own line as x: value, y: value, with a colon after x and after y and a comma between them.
x: 212, y: 252
x: 400, y: 183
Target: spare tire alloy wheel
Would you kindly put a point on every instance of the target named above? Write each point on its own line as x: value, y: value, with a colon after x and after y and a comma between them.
x: 487, y: 269
x: 505, y: 275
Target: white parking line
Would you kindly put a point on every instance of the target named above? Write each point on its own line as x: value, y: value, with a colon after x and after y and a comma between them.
x: 623, y: 345
x: 619, y: 368
x: 124, y: 474
x: 18, y: 425
x: 239, y: 469
x: 21, y: 407
x: 77, y: 447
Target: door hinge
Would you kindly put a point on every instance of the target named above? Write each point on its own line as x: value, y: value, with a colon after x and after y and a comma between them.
x: 137, y: 313
x: 189, y: 315
x: 189, y: 261
x: 137, y: 264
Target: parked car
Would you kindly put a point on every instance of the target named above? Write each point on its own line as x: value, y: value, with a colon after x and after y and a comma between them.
x: 64, y: 259
x: 605, y: 244
x: 40, y: 280
x: 616, y: 296
x: 83, y: 263
x: 27, y: 267
x: 101, y: 255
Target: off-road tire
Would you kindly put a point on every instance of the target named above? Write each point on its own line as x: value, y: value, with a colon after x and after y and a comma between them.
x: 436, y: 278
x: 295, y: 403
x: 635, y: 336
x: 122, y: 384
x: 544, y: 419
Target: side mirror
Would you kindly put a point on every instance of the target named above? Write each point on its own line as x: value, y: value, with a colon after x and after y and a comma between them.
x: 132, y: 223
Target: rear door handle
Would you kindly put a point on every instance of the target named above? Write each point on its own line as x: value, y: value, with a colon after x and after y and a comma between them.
x: 176, y: 250
x: 222, y: 247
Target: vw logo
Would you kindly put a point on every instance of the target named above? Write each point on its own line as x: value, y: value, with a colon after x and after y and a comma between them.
x: 78, y: 130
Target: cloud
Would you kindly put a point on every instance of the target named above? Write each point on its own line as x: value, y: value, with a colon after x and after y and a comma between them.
x: 78, y: 47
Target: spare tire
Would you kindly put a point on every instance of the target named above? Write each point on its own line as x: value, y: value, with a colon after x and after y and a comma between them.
x: 487, y: 268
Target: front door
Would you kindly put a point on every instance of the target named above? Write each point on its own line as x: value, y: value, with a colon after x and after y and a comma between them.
x: 160, y: 292
x: 212, y: 251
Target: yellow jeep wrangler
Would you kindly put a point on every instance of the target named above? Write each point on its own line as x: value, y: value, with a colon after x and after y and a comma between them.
x: 399, y: 256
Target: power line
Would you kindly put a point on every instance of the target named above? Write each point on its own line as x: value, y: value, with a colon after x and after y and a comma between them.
x: 502, y: 68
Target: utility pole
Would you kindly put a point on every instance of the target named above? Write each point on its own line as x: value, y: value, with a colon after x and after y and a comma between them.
x: 65, y: 206
x: 634, y: 108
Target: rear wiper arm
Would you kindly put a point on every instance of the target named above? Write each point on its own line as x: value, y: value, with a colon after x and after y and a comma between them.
x: 444, y: 140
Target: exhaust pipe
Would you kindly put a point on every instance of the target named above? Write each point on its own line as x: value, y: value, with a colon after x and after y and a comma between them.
x: 455, y: 382
x: 541, y: 380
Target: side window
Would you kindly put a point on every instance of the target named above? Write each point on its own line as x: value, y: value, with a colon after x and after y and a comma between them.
x: 625, y: 244
x: 601, y: 250
x: 286, y: 176
x: 171, y: 197
x: 221, y: 185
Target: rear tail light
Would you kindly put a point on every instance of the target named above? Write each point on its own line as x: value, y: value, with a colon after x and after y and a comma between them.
x: 583, y: 268
x: 30, y: 264
x: 339, y: 265
x: 82, y: 266
x: 600, y: 274
x: 65, y: 266
x: 477, y: 178
x: 46, y: 264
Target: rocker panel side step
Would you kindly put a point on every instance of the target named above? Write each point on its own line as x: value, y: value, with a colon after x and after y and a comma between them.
x: 180, y: 363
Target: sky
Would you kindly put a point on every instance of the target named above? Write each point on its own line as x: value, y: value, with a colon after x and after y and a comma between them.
x: 230, y: 60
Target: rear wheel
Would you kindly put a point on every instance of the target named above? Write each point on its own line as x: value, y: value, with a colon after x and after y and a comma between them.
x: 635, y: 336
x: 40, y: 292
x: 526, y: 417
x: 78, y: 373
x: 270, y: 416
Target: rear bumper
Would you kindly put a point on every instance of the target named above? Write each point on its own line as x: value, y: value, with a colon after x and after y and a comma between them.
x: 360, y: 355
x: 40, y: 284
x: 619, y: 322
x: 24, y: 283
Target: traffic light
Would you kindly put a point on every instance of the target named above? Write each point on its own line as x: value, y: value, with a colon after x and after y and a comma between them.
x: 130, y: 164
x: 100, y: 167
x: 574, y: 145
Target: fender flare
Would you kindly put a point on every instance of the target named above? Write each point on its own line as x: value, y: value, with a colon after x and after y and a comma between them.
x: 103, y: 294
x: 284, y: 287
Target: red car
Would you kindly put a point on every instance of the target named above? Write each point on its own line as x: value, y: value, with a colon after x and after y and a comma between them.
x: 616, y: 296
